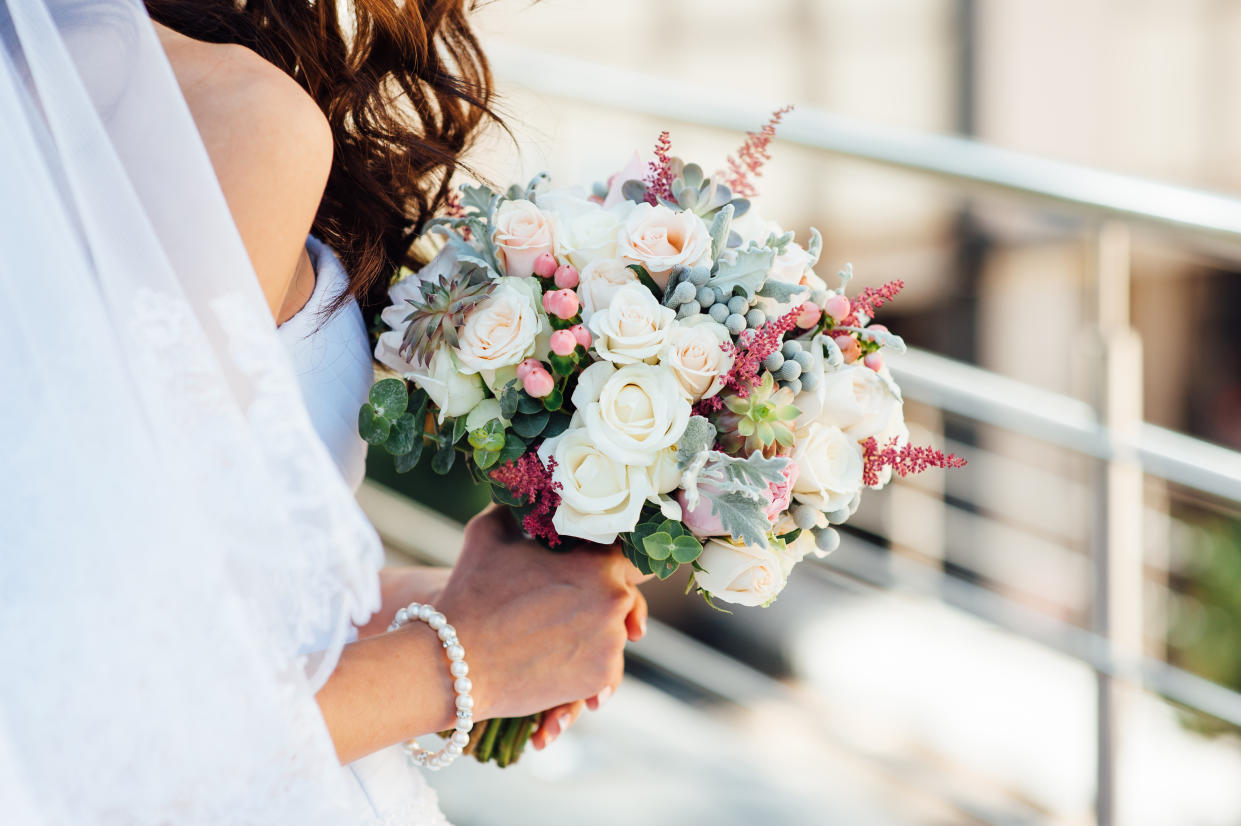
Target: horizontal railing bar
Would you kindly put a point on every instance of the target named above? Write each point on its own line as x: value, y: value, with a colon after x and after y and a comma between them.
x: 871, y: 564
x: 437, y: 539
x: 1188, y: 212
x: 996, y: 400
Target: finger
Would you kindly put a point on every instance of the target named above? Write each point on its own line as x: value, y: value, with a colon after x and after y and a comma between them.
x: 635, y: 620
x: 555, y: 723
x: 635, y: 577
x: 595, y: 703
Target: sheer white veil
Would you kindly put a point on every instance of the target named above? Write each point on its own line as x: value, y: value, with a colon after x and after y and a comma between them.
x: 180, y: 561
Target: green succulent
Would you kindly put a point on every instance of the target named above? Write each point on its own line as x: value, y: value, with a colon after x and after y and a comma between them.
x: 434, y: 321
x: 761, y: 421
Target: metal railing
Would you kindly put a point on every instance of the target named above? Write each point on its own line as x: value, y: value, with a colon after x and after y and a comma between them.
x: 1110, y: 431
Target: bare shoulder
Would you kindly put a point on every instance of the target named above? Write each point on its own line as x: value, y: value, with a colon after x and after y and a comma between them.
x: 271, y: 148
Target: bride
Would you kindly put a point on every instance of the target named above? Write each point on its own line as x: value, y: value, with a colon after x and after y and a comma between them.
x: 196, y: 209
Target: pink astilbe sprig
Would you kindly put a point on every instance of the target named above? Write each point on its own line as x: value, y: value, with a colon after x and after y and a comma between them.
x: 531, y: 482
x: 452, y: 206
x: 752, y: 347
x: 905, y: 460
x: 871, y: 299
x: 658, y: 177
x: 749, y: 160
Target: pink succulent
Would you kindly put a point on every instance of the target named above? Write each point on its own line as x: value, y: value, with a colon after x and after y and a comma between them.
x: 566, y: 277
x: 563, y: 342
x: 538, y: 382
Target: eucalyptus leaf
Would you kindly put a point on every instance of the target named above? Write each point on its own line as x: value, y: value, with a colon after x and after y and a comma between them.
x: 686, y: 549
x: 664, y: 569
x: 444, y: 457
x: 486, y: 458
x: 408, y: 461
x: 557, y: 423
x: 647, y: 281
x: 458, y: 428
x: 372, y: 427
x: 404, y: 433
x: 528, y: 404
x: 658, y: 546
x: 510, y: 397
x: 530, y: 425
x: 514, y: 447
x: 389, y: 398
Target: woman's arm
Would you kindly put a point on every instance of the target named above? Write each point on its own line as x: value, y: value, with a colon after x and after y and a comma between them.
x: 399, y: 585
x: 538, y: 633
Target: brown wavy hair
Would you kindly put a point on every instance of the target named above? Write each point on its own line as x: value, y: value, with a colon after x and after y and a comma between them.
x: 405, y: 86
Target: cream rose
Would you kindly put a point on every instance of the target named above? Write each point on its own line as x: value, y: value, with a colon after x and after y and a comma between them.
x: 521, y: 233
x: 501, y: 330
x: 599, y: 496
x: 829, y: 467
x: 632, y: 413
x: 455, y: 393
x: 584, y: 230
x: 695, y: 353
x: 660, y: 239
x: 740, y: 574
x: 793, y: 267
x: 632, y: 327
x: 793, y: 552
x: 599, y: 281
x: 855, y: 399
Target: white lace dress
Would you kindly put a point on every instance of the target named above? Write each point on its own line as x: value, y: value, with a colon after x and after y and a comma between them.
x: 331, y: 357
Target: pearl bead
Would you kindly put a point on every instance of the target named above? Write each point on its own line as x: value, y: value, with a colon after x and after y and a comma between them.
x: 463, y: 685
x: 460, y: 738
x: 437, y: 621
x: 453, y: 749
x: 464, y: 725
x: 425, y: 612
x: 455, y: 653
x: 458, y: 669
x: 402, y: 616
x: 465, y: 701
x: 447, y: 633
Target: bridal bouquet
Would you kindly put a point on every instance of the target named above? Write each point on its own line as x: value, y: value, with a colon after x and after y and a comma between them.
x: 649, y: 363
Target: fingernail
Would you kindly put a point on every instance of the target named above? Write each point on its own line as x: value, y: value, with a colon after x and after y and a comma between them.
x: 603, y: 696
x: 642, y: 627
x: 550, y: 738
x: 565, y: 719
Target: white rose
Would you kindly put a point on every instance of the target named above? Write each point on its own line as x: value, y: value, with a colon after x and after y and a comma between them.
x: 521, y: 233
x: 664, y: 473
x: 598, y: 282
x: 584, y: 230
x: 455, y: 393
x: 660, y: 239
x: 855, y: 399
x: 599, y: 496
x: 829, y: 467
x: 501, y: 330
x: 694, y: 352
x: 795, y: 551
x: 632, y: 413
x: 632, y: 327
x: 740, y: 574
x: 793, y: 267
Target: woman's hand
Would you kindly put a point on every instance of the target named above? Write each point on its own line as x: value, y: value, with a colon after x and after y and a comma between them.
x: 541, y: 632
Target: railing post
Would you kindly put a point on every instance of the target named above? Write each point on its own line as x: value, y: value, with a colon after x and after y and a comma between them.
x: 1117, y: 558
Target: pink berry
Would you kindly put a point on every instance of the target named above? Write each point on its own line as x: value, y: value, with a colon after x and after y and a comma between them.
x: 580, y: 333
x: 878, y: 328
x: 561, y: 303
x: 566, y: 276
x: 563, y: 342
x: 538, y: 383
x: 838, y: 307
x: 527, y: 367
x: 808, y: 315
x: 849, y: 347
x: 874, y: 361
x: 545, y: 265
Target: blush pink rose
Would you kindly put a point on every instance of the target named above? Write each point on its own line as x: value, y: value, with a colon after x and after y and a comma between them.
x: 781, y: 493
x: 701, y: 521
x: 634, y: 170
x: 522, y: 235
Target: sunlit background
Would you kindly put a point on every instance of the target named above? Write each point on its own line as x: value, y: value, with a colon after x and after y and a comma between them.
x: 1050, y: 636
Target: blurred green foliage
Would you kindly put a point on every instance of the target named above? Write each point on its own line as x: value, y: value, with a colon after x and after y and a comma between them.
x: 454, y: 495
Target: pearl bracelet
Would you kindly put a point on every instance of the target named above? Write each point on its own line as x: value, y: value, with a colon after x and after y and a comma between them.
x: 461, y: 684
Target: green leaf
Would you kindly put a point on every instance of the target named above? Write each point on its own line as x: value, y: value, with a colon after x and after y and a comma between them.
x: 477, y: 197
x: 664, y: 568
x: 743, y: 517
x: 528, y: 404
x: 486, y: 458
x: 444, y: 457
x: 404, y: 434
x: 371, y: 426
x: 746, y: 271
x: 658, y: 545
x: 558, y: 423
x: 815, y: 247
x: 780, y: 290
x: 458, y: 429
x: 389, y: 398
x: 686, y: 549
x: 719, y: 230
x: 562, y: 365
x: 554, y: 399
x: 530, y: 426
x: 503, y: 496
x: 514, y: 447
x: 745, y: 427
x: 408, y: 461
x: 647, y: 281
x: 418, y: 401
x: 510, y: 397
x: 699, y: 435
x: 672, y: 527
